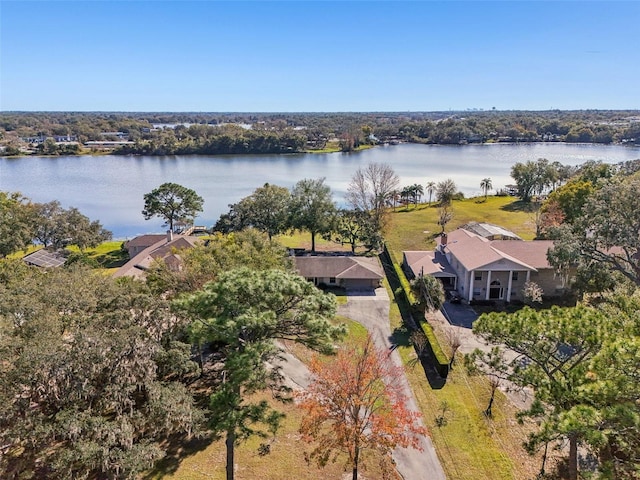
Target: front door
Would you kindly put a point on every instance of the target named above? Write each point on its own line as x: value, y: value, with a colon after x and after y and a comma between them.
x: 496, y: 292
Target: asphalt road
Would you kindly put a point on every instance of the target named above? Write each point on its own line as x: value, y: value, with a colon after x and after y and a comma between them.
x: 373, y: 313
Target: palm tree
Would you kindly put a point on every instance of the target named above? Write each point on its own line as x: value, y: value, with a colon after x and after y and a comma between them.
x: 445, y: 191
x: 486, y: 185
x: 393, y: 198
x: 418, y: 191
x: 405, y: 195
x: 430, y: 188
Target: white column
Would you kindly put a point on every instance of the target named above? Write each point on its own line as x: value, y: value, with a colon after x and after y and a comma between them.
x: 509, y: 286
x: 470, y: 294
x: 486, y: 296
x: 528, y: 275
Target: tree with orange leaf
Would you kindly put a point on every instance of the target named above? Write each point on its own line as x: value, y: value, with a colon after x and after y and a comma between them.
x: 355, y: 404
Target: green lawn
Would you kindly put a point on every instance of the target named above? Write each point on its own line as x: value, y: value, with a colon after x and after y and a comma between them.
x: 108, y: 255
x: 414, y: 228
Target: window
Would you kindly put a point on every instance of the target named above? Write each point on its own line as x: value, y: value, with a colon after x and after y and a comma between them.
x: 514, y: 276
x: 477, y: 276
x: 332, y: 280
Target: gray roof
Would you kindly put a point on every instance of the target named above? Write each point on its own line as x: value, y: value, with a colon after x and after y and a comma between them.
x: 145, y: 240
x: 45, y: 258
x: 360, y: 268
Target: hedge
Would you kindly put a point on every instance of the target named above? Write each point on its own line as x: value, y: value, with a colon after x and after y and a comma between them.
x: 441, y: 358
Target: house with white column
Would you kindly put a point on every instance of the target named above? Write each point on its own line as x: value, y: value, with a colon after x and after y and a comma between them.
x: 480, y: 268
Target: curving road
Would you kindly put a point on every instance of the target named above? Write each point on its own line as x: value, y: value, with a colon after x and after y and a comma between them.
x: 372, y: 311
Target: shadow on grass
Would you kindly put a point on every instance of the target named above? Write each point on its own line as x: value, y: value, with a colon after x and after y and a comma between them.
x: 113, y: 259
x: 177, y: 449
x: 519, y: 206
x: 401, y: 336
x: 436, y: 382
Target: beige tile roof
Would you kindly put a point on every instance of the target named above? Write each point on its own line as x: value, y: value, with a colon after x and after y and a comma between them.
x: 428, y: 263
x: 158, y: 251
x: 475, y: 252
x: 532, y: 253
x: 339, y: 267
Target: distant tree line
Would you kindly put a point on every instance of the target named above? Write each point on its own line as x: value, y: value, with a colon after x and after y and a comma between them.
x: 234, y: 133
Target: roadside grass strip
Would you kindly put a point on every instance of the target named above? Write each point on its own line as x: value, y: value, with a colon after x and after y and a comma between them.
x: 469, y: 445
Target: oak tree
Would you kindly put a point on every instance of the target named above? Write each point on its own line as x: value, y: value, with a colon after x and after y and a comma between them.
x: 312, y: 208
x: 16, y: 223
x: 92, y: 377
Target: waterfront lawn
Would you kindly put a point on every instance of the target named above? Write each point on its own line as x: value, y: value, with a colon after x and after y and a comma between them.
x: 107, y: 255
x: 415, y: 228
x: 303, y: 240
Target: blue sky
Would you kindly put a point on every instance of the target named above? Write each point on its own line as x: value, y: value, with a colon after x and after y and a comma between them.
x: 318, y: 56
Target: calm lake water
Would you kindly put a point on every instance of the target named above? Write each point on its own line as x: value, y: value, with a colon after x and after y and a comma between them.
x: 111, y: 188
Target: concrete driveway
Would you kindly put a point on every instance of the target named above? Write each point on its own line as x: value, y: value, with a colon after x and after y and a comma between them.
x: 372, y: 311
x: 459, y: 314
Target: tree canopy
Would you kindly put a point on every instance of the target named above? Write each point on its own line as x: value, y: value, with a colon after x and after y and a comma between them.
x: 243, y: 312
x: 532, y: 178
x: 91, y: 378
x: 554, y: 349
x: 16, y: 223
x: 312, y: 208
x: 370, y: 189
x: 173, y: 203
x: 355, y: 406
x: 605, y: 234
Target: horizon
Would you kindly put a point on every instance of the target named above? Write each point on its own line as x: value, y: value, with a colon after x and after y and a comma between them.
x: 317, y: 57
x: 345, y: 112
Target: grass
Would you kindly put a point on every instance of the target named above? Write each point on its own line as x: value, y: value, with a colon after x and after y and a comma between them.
x: 284, y: 459
x: 286, y: 448
x: 303, y: 240
x: 415, y: 228
x: 334, y: 147
x: 469, y: 445
x: 108, y: 255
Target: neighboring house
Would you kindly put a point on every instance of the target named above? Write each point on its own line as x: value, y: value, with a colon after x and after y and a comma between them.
x: 483, y: 269
x: 166, y: 249
x: 45, y: 258
x: 139, y: 243
x: 341, y: 271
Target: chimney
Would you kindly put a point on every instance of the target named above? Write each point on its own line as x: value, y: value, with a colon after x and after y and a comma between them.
x: 169, y: 236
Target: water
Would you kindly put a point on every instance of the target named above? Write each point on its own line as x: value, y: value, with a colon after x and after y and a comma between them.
x: 111, y: 188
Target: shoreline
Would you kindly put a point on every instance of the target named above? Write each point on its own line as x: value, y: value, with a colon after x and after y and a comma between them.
x: 313, y: 152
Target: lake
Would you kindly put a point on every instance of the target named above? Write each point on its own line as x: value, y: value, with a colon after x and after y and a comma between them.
x: 111, y: 188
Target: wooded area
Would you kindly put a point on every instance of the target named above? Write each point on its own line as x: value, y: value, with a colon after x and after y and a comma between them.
x: 56, y: 133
